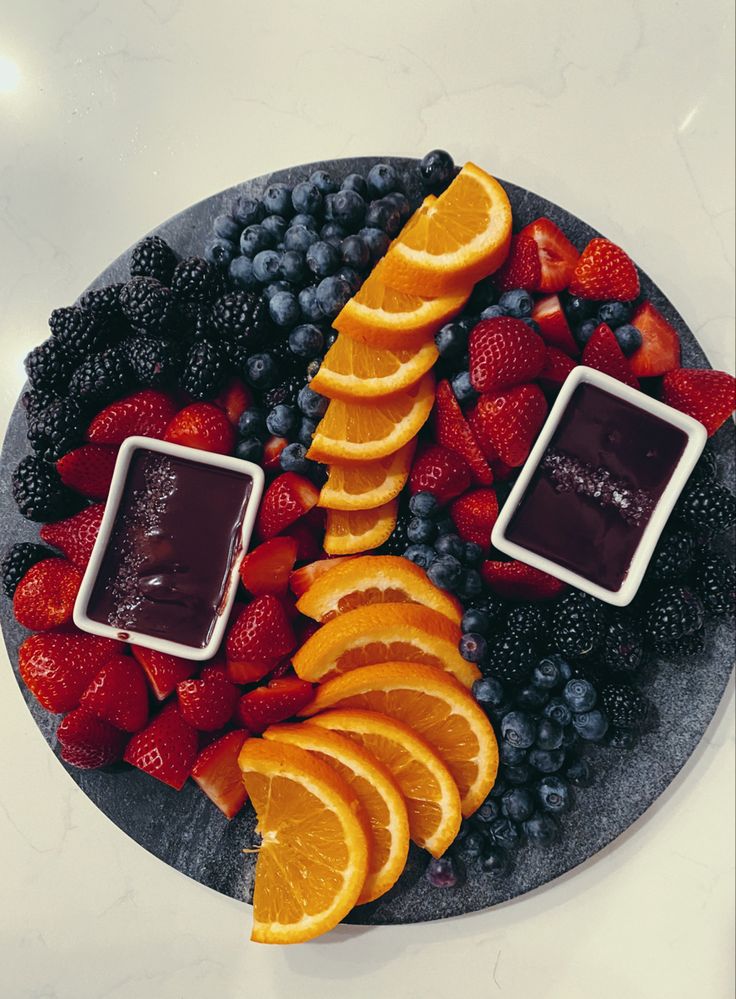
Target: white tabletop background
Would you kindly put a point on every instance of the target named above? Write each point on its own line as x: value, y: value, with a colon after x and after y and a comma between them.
x: 115, y: 115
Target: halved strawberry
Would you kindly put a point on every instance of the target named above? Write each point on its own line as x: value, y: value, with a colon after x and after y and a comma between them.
x: 504, y: 352
x: 440, y: 471
x: 266, y: 569
x: 604, y: 271
x: 88, y: 742
x: 451, y: 430
x: 301, y: 579
x: 553, y: 326
x: 260, y: 636
x: 510, y: 422
x: 280, y: 700
x: 518, y: 581
x: 166, y: 749
x: 58, y: 666
x: 44, y: 598
x: 235, y: 398
x: 272, y: 453
x: 660, y: 348
x: 706, y: 395
x: 557, y: 366
x: 474, y: 515
x: 217, y: 772
x: 308, y: 535
x: 202, y: 425
x: 88, y: 469
x: 164, y: 672
x: 147, y: 413
x: 207, y: 703
x: 557, y: 255
x: 119, y: 694
x: 289, y: 497
x: 75, y: 536
x: 603, y: 353
x: 522, y: 268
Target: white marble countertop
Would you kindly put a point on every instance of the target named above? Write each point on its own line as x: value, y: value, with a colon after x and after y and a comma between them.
x: 113, y: 116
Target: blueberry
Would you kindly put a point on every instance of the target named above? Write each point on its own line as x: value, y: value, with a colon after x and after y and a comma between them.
x: 475, y: 620
x: 307, y: 430
x: 445, y: 526
x: 227, y: 227
x: 450, y: 544
x: 219, y: 252
x: 309, y: 305
x: 494, y: 860
x: 445, y: 572
x: 519, y: 729
x: 323, y: 259
x: 382, y: 179
x: 247, y: 211
x: 277, y: 200
x: 549, y: 734
x: 332, y: 294
x: 308, y: 221
x: 565, y: 668
x: 473, y: 553
x: 554, y: 794
x: 376, y: 241
x: 355, y: 252
x: 383, y: 215
x: 471, y: 586
x: 451, y: 340
x: 569, y: 737
x: 250, y: 449
x: 351, y: 276
x: 260, y: 371
x: 266, y: 265
x: 541, y: 829
x: 504, y: 833
x: 252, y: 423
x: 517, y: 773
x: 628, y: 337
x: 472, y: 844
x: 517, y: 303
x: 436, y: 169
x: 577, y: 309
x: 493, y: 312
x: 293, y: 266
x: 423, y: 505
x: 579, y: 694
x: 401, y: 202
x: 306, y: 340
x: 306, y: 198
x: 298, y: 237
x: 489, y: 811
x: 517, y: 804
x: 241, y: 273
x: 284, y: 309
x: 281, y: 420
x: 473, y: 647
x: 311, y: 403
x: 274, y: 287
x: 445, y: 872
x: 579, y: 773
x: 333, y: 233
x: 463, y: 388
x: 590, y: 725
x: 275, y: 226
x: 421, y: 530
x: 512, y: 754
x: 421, y: 555
x: 323, y: 182
x: 614, y: 314
x: 585, y: 331
x: 354, y: 182
x: 488, y: 692
x: 294, y: 459
x: 348, y: 208
x: 547, y: 761
x: 532, y: 698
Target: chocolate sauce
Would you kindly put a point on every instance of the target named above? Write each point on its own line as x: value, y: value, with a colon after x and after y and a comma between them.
x: 588, y: 503
x: 166, y: 566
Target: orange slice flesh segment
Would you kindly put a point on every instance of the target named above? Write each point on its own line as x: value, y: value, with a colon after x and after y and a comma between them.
x: 377, y: 791
x: 313, y: 860
x: 381, y: 633
x: 374, y: 579
x: 350, y: 532
x: 431, y: 795
x: 353, y: 370
x: 436, y: 706
x: 464, y: 236
x: 366, y: 485
x: 369, y: 430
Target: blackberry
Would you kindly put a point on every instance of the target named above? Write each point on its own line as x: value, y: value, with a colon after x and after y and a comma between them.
x: 154, y: 361
x: 624, y: 706
x: 154, y: 258
x: 577, y: 624
x: 706, y: 469
x: 492, y: 606
x: 146, y: 304
x: 285, y: 358
x: 241, y: 316
x: 204, y: 370
x: 528, y: 619
x: 285, y: 392
x: 55, y: 429
x: 103, y: 302
x: 707, y: 508
x: 194, y: 280
x: 48, y: 367
x: 196, y: 320
x: 511, y: 659
x: 672, y: 558
x: 102, y: 377
x: 34, y: 402
x: 39, y: 492
x: 674, y: 613
x: 397, y: 542
x: 18, y: 560
x: 80, y: 332
x: 622, y: 648
x: 682, y: 648
x: 714, y: 581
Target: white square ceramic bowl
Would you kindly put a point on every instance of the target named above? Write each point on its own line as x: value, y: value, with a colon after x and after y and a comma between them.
x: 696, y: 438
x: 120, y: 473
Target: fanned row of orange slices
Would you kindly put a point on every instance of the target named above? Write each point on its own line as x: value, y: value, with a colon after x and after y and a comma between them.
x: 377, y: 373
x: 389, y: 750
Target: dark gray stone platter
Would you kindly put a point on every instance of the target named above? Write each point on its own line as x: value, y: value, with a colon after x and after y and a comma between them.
x: 186, y: 831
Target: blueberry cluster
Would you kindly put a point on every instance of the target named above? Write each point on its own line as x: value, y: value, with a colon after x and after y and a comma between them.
x: 585, y: 315
x: 294, y: 418
x: 434, y: 545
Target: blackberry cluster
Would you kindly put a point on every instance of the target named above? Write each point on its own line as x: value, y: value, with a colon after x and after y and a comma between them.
x: 104, y: 303
x: 147, y: 304
x: 102, y: 377
x: 39, y: 492
x: 79, y: 331
x: 577, y: 625
x: 18, y: 560
x: 194, y: 280
x: 672, y: 558
x: 714, y: 582
x: 707, y: 508
x: 674, y: 613
x: 56, y: 428
x: 153, y: 258
x: 48, y: 368
x: 156, y: 362
x: 204, y: 369
x: 622, y: 648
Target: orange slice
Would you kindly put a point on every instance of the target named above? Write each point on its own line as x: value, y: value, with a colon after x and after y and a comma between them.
x: 352, y: 370
x: 366, y: 485
x: 377, y: 791
x: 313, y: 860
x: 374, y: 579
x: 436, y: 706
x: 431, y: 795
x: 368, y: 430
x: 382, y: 633
x: 464, y: 236
x: 349, y: 532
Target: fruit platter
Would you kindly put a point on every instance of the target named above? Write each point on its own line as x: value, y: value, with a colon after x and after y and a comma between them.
x: 369, y: 542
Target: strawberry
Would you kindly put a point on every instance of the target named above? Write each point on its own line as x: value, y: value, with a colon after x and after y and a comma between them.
x: 549, y: 315
x: 75, y: 536
x: 440, y: 471
x: 266, y: 569
x: 217, y: 668
x: 261, y: 635
x: 166, y: 749
x: 207, y: 703
x: 272, y: 453
x: 557, y: 366
x: 474, y: 515
x: 660, y: 348
x: 502, y: 471
x: 235, y: 398
x: 557, y: 255
x: 202, y: 425
x: 58, y: 666
x: 287, y: 499
x: 518, y: 581
x: 119, y: 694
x: 44, y: 598
x: 308, y: 538
x: 504, y: 352
x: 451, y: 430
x: 603, y: 353
x: 604, y: 271
x: 522, y: 268
x: 147, y: 413
x: 280, y: 700
x: 164, y: 672
x: 706, y: 395
x: 217, y: 772
x: 301, y: 579
x: 88, y: 741
x: 88, y: 469
x: 247, y: 673
x: 510, y: 421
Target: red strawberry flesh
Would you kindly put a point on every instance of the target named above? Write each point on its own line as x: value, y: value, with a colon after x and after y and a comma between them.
x: 217, y: 773
x: 166, y: 749
x: 605, y: 271
x: 44, y: 598
x: 504, y: 352
x: 75, y: 536
x: 88, y: 469
x: 147, y: 413
x: 517, y: 581
x: 452, y: 430
x: 603, y: 353
x: 660, y: 347
x: 554, y: 329
x: 706, y: 395
x: 557, y: 255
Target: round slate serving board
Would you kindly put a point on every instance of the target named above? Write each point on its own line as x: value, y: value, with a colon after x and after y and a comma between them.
x: 186, y: 831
